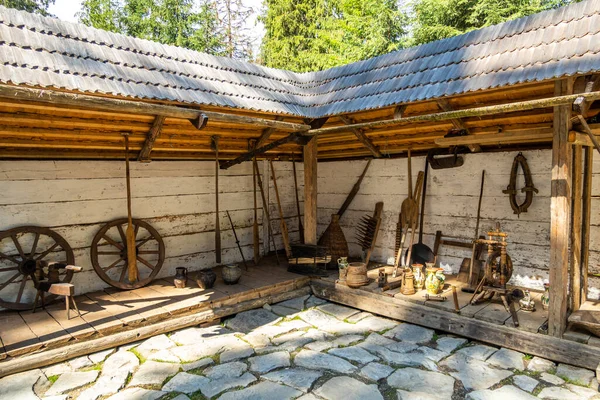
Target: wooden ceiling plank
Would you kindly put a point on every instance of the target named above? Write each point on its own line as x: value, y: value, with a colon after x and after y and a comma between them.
x: 153, y: 134
x: 360, y: 135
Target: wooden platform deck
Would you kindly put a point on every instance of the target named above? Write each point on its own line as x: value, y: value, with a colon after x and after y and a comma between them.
x: 111, y: 311
x: 488, y: 321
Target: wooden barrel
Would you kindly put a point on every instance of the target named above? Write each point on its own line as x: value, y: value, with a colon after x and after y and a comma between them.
x: 357, y: 275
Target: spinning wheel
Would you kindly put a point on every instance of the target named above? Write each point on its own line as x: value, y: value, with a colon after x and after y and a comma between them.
x: 493, y: 273
x: 109, y: 253
x: 21, y: 250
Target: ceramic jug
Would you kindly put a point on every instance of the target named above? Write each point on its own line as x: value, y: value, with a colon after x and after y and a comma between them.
x: 180, y: 277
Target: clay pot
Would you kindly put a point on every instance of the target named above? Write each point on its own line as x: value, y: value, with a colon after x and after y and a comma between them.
x: 206, y: 279
x: 231, y: 274
x: 180, y: 277
x: 357, y: 275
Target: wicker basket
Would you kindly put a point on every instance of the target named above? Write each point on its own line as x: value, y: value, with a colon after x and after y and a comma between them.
x: 333, y: 239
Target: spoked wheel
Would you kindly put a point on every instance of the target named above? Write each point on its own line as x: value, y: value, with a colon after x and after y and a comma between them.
x: 20, y: 249
x: 109, y: 253
x: 492, y: 269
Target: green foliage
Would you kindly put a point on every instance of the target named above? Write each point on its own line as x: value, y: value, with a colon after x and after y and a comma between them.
x: 440, y: 19
x: 34, y: 6
x: 184, y: 23
x: 308, y: 35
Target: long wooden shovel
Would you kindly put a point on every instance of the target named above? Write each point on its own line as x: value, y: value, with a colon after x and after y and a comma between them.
x: 282, y: 224
x: 214, y: 141
x: 354, y: 191
x: 265, y: 208
x: 256, y: 240
x: 300, y: 227
x: 132, y: 269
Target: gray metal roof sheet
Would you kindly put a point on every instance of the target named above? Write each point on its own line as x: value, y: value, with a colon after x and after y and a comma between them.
x: 47, y: 52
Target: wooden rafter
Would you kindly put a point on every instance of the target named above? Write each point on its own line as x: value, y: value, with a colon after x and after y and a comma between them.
x: 266, y: 134
x: 582, y: 105
x: 137, y: 107
x: 458, y: 123
x: 153, y: 134
x: 360, y: 135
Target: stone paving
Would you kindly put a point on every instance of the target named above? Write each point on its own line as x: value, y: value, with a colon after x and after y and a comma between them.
x: 304, y: 349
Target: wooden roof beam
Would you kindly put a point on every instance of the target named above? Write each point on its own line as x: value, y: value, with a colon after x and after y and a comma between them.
x: 360, y: 135
x: 458, y: 123
x: 266, y: 133
x: 137, y: 107
x: 144, y: 155
x: 541, y: 134
x: 463, y: 113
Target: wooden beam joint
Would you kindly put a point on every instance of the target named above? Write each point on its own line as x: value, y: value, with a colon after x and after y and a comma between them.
x: 153, y: 134
x: 458, y: 123
x: 360, y: 135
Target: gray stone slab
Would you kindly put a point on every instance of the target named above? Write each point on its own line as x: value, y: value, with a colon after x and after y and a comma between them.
x: 313, y: 301
x: 191, y: 336
x: 249, y: 320
x: 473, y: 373
x: 72, y: 380
x: 478, y: 352
x: 263, y: 390
x: 287, y: 337
x: 354, y: 353
x: 197, y: 364
x: 269, y: 362
x: 57, y: 369
x: 410, y: 333
x: 184, y: 382
x: 164, y: 356
x: 236, y: 351
x: 449, y: 343
x: 413, y: 359
x: 314, y: 360
x: 404, y: 395
x: 507, y: 359
x: 296, y: 303
x: 344, y: 387
x: 181, y: 397
x: 538, y: 364
x: 154, y: 345
x: 299, y: 378
x: 558, y: 393
x: 80, y: 362
x: 100, y: 356
x: 153, y: 373
x: 229, y: 370
x: 20, y: 386
x: 257, y: 340
x: 105, y: 385
x: 210, y: 347
x: 434, y: 384
x: 376, y: 371
x: 283, y: 311
x: 213, y: 388
x: 357, y: 317
x: 525, y: 382
x: 578, y: 375
x: 552, y: 379
x: 376, y: 324
x: 504, y: 393
x: 338, y: 311
x: 432, y: 354
x: 583, y: 392
x: 137, y: 394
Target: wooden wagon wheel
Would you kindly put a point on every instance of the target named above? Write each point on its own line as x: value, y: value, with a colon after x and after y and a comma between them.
x: 109, y: 253
x: 20, y: 250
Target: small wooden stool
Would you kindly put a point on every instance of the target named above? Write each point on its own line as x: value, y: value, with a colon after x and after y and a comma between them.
x: 59, y: 289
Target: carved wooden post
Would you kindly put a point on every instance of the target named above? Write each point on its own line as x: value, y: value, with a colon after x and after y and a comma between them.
x: 310, y: 192
x: 560, y: 206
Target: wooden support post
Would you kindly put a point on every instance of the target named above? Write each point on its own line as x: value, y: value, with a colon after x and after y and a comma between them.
x: 458, y: 123
x: 155, y: 130
x: 576, y: 231
x: 310, y: 192
x: 586, y: 212
x: 360, y: 135
x: 560, y: 205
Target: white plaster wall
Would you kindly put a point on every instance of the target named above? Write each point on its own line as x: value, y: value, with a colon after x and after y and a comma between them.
x: 76, y: 198
x: 451, y: 206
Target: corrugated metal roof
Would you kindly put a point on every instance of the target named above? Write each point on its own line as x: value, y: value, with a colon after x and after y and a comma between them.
x: 47, y: 52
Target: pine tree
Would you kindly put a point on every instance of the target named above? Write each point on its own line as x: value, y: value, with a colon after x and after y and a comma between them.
x: 233, y: 17
x: 101, y: 14
x: 33, y: 6
x: 307, y: 35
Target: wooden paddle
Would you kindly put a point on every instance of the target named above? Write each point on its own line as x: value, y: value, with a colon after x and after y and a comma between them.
x: 132, y: 269
x: 300, y: 227
x: 215, y: 147
x: 255, y: 225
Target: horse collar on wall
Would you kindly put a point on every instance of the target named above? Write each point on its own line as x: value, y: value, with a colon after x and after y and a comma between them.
x: 512, y: 191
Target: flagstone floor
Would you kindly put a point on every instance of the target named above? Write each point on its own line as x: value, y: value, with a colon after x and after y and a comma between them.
x: 304, y: 348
